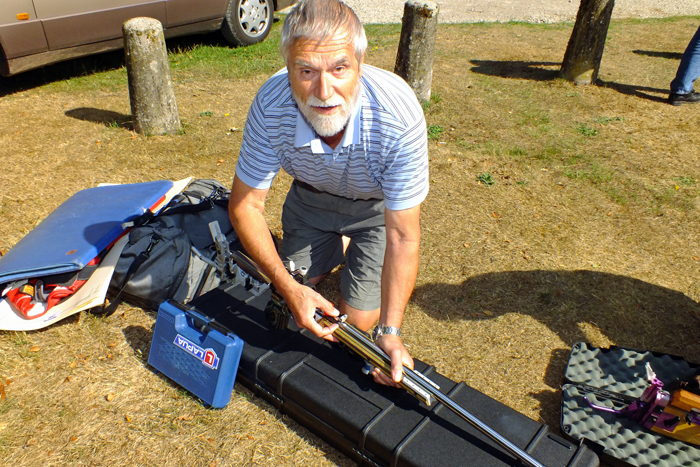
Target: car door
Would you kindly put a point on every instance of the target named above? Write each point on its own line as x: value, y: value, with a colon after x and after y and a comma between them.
x: 70, y: 23
x: 21, y: 33
x: 188, y: 11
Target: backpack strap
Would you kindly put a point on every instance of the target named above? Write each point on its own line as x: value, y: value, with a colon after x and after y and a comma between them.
x: 140, y: 259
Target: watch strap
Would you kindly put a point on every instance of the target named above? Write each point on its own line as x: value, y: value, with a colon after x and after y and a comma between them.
x: 381, y: 330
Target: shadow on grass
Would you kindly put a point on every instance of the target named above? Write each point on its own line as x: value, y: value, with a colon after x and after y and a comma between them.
x: 107, y: 118
x: 542, y: 71
x: 657, y: 54
x: 637, y: 91
x: 517, y: 69
x: 61, y: 71
x: 630, y: 312
x: 139, y: 339
x: 94, y: 64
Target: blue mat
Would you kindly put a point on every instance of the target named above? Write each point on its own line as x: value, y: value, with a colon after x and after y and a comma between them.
x: 79, y: 229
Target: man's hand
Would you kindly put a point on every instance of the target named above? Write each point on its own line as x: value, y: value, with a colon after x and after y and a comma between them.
x: 395, y: 349
x: 303, y: 302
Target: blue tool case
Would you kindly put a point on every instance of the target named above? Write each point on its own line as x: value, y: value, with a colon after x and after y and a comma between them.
x: 196, y: 353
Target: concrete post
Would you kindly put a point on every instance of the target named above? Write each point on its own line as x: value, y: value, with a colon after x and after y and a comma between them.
x: 414, y: 60
x: 151, y: 90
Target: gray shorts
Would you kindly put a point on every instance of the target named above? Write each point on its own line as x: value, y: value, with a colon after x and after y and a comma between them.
x: 313, y: 224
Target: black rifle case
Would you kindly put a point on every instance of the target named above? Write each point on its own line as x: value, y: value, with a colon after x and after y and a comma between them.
x: 322, y: 387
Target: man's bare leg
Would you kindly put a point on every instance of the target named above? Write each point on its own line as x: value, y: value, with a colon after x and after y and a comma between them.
x: 364, y: 320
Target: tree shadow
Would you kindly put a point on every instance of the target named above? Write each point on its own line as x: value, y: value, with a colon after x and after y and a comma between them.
x: 536, y: 71
x: 107, y: 118
x: 630, y: 312
x: 541, y: 71
x: 637, y: 91
x: 657, y: 54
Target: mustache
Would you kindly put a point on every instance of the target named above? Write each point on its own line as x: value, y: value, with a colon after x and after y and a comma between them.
x: 314, y: 101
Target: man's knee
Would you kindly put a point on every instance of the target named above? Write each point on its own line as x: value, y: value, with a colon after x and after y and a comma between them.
x: 362, y: 319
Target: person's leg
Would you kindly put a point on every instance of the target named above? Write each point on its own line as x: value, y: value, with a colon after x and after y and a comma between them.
x: 689, y: 68
x: 361, y: 278
x: 304, y: 243
x: 314, y: 228
x: 364, y: 320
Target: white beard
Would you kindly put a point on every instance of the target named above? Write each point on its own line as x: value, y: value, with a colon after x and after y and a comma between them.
x: 328, y: 125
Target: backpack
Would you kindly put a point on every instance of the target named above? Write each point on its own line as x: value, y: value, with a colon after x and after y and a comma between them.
x: 173, y: 256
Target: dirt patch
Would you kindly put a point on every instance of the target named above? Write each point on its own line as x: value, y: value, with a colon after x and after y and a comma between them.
x: 531, y: 11
x: 557, y: 214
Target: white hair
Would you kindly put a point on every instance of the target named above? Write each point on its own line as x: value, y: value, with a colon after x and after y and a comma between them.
x: 318, y: 20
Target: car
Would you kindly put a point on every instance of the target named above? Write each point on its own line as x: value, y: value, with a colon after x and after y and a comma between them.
x: 34, y: 33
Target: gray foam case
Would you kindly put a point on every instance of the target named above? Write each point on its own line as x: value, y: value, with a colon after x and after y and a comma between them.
x: 621, y: 441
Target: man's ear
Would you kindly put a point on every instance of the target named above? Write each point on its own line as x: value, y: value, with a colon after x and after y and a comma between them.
x: 359, y: 65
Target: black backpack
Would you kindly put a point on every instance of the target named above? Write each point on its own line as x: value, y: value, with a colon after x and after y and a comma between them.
x: 173, y: 256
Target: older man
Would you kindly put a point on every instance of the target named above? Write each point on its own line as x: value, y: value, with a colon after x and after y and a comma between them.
x: 354, y: 139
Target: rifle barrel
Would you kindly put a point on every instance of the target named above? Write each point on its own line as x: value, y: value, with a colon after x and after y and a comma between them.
x: 415, y: 383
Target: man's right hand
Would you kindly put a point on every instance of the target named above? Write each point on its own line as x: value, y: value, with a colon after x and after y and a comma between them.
x: 303, y: 302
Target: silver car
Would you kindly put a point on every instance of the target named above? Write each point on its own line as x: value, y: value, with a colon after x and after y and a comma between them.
x: 34, y: 33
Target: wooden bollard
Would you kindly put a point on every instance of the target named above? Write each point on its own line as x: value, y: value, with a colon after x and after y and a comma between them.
x: 414, y: 60
x: 151, y: 90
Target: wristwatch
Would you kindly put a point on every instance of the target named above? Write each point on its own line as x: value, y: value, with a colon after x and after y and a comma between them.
x: 380, y: 330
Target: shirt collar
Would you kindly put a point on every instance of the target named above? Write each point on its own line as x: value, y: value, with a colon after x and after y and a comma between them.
x: 306, y: 136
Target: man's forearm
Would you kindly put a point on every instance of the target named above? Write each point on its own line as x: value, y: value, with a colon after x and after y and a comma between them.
x: 254, y: 234
x: 246, y: 208
x: 398, y: 279
x: 400, y: 263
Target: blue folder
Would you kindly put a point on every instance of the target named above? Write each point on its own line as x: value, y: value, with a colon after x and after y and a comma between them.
x: 79, y: 229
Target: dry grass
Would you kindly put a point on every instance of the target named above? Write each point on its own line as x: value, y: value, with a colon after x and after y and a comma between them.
x: 588, y: 233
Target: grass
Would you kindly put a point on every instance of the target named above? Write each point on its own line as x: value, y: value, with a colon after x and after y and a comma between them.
x: 587, y: 232
x: 485, y: 178
x: 434, y: 132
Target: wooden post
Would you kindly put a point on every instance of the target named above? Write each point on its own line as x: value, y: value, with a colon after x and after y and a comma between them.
x: 151, y: 91
x: 585, y: 50
x: 414, y: 60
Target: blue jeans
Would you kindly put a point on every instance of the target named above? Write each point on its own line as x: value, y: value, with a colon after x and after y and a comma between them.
x: 689, y: 69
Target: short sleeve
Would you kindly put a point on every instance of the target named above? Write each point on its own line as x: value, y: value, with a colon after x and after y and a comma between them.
x: 257, y: 162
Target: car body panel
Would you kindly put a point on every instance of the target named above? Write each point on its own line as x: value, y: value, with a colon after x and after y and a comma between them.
x: 282, y: 4
x: 12, y: 8
x: 23, y: 38
x: 55, y: 9
x: 20, y: 36
x: 96, y: 26
x: 181, y: 12
x: 40, y: 32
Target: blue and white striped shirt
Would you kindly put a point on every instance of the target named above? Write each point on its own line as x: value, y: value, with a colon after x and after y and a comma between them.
x: 383, y: 153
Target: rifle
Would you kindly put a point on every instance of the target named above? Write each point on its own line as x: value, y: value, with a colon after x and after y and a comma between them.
x: 676, y: 415
x: 413, y: 381
x: 278, y: 314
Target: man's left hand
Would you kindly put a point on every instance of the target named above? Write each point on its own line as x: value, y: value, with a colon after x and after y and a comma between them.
x: 394, y: 348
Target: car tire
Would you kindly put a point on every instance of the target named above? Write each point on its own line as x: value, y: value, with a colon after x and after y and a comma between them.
x: 248, y: 21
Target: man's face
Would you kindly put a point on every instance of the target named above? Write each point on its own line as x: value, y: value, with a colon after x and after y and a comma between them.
x: 325, y: 81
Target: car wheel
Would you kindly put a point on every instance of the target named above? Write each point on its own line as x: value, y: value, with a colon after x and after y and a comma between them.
x: 248, y: 21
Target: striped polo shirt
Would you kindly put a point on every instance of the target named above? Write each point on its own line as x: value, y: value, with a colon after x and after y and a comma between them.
x: 383, y: 153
